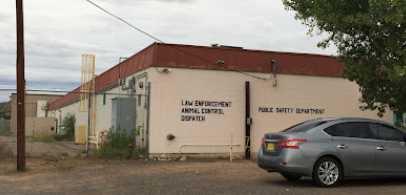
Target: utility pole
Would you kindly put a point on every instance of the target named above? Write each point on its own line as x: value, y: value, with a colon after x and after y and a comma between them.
x: 20, y: 88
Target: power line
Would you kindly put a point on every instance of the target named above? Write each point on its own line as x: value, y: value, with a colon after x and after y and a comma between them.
x: 160, y: 41
x: 34, y: 90
x: 124, y: 21
x: 61, y: 91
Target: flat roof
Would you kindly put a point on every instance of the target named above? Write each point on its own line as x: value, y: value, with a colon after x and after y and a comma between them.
x: 205, y: 57
x: 43, y: 93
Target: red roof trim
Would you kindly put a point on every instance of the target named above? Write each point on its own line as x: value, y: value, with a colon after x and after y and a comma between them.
x: 201, y: 57
x: 109, y: 78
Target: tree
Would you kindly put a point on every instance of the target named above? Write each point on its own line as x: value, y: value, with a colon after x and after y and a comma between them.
x: 5, y: 110
x: 370, y: 36
x: 68, y: 127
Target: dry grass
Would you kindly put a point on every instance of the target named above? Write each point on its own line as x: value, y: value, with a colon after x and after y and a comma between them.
x: 43, y: 137
x: 5, y: 152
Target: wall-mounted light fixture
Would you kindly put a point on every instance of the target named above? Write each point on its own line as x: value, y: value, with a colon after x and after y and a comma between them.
x: 170, y: 137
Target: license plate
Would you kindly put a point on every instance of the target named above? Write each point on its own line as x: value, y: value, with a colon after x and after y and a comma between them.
x: 270, y: 147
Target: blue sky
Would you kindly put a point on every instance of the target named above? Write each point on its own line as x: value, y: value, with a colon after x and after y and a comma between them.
x: 58, y: 32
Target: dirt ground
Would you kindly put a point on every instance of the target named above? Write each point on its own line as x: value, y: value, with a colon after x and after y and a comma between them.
x: 55, y: 149
x: 95, y: 176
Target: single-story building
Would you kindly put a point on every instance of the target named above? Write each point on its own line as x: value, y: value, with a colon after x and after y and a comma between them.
x: 37, y: 120
x: 188, y: 99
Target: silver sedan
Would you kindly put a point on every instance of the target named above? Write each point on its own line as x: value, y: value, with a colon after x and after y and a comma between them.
x: 331, y: 149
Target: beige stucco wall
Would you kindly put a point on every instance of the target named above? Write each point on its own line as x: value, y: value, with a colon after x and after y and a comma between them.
x: 72, y: 109
x: 31, y: 107
x: 103, y: 113
x: 36, y: 126
x: 337, y: 96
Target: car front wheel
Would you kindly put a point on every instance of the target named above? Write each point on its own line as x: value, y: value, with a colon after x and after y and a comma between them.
x: 327, y: 172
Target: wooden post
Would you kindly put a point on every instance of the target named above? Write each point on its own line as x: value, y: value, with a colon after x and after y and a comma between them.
x: 20, y: 88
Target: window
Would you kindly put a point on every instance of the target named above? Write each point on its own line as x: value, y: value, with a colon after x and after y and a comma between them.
x: 104, y: 98
x: 351, y: 129
x: 304, y: 126
x: 388, y: 133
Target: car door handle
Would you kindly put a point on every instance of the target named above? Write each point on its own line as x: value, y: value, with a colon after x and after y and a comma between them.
x: 380, y: 148
x: 342, y: 146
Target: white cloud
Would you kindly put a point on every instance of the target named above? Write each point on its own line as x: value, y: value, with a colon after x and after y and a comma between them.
x: 58, y: 32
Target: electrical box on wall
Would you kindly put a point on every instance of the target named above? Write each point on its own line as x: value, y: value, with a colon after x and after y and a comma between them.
x: 123, y: 114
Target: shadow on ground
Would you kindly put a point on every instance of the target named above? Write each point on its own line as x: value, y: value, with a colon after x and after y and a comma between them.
x: 349, y: 183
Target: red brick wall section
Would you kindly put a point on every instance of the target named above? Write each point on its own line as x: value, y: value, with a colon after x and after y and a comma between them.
x: 200, y: 57
x: 183, y: 56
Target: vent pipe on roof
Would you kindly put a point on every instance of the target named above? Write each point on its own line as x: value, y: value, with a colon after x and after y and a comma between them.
x: 216, y: 45
x: 220, y: 62
x: 274, y: 66
x: 122, y: 59
x: 274, y: 72
x: 230, y: 47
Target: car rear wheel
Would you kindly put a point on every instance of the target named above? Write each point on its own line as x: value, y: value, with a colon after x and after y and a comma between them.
x: 291, y: 177
x: 327, y: 172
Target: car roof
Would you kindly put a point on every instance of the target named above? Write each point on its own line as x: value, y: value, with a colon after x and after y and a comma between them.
x: 352, y: 119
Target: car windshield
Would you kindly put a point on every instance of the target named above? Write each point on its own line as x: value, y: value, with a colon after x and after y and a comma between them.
x: 305, y: 126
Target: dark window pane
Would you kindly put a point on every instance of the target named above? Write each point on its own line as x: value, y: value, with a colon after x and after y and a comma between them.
x: 351, y: 129
x: 304, y: 126
x: 334, y: 130
x: 388, y: 133
x: 139, y: 100
x: 104, y: 99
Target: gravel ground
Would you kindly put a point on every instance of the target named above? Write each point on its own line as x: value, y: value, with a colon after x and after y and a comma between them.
x: 91, y: 176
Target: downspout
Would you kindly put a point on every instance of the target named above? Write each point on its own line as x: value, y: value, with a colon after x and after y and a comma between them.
x: 248, y: 121
x: 148, y: 119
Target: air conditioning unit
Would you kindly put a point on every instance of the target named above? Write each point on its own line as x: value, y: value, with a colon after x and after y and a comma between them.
x: 121, y: 82
x: 132, y: 83
x: 141, y: 85
x: 132, y: 86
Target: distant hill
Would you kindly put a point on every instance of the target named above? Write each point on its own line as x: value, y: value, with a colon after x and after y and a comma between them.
x: 5, y: 110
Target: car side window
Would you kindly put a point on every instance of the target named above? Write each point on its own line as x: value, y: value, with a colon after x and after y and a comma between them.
x: 351, y: 129
x: 335, y: 130
x: 388, y: 133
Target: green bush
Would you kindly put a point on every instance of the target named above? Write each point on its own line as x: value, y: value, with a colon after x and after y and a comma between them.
x: 119, y: 144
x: 67, y: 128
